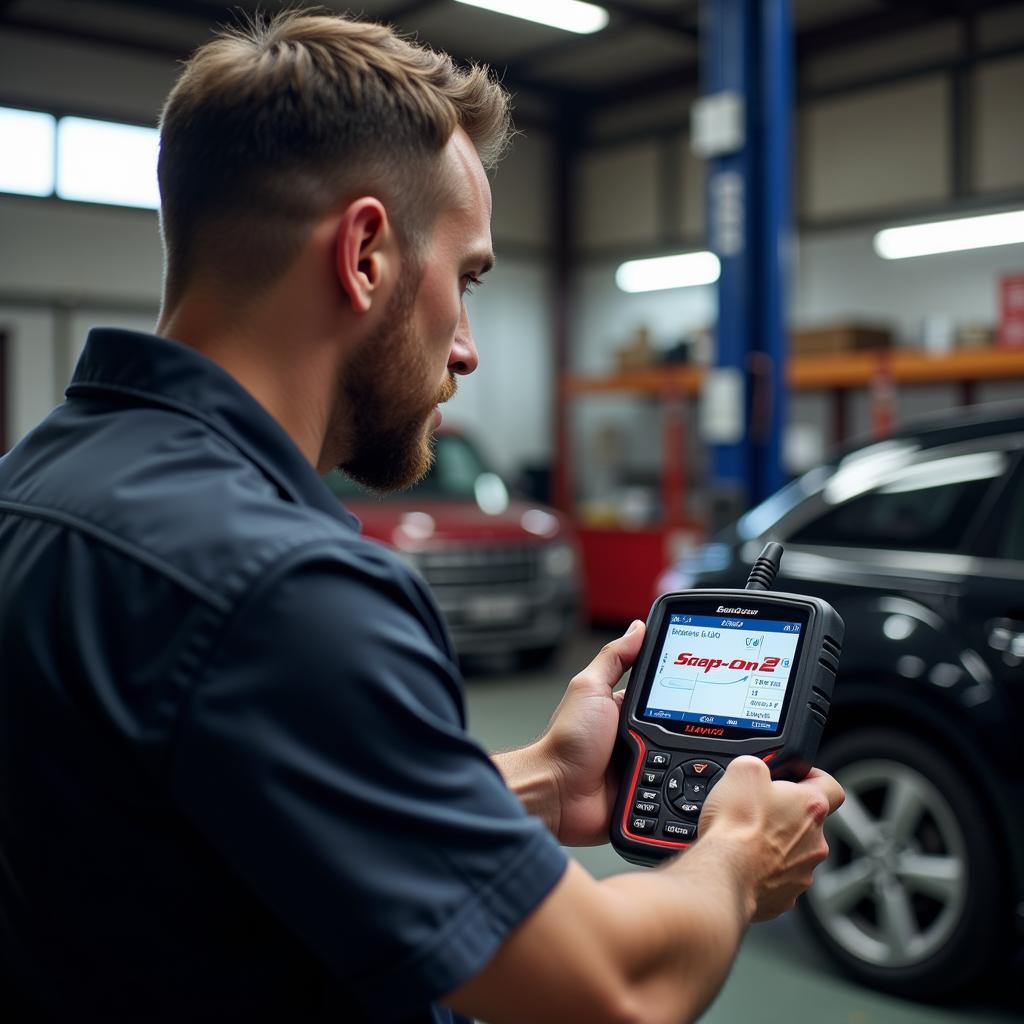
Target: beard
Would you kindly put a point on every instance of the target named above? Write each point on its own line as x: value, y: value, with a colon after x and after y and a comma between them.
x: 383, y: 391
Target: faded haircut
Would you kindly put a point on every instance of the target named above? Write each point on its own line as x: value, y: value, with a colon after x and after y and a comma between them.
x: 273, y: 124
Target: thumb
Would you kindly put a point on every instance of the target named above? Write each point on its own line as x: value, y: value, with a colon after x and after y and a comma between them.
x: 615, y: 657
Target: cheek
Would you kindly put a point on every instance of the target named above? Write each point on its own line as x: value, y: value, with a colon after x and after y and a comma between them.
x: 441, y: 315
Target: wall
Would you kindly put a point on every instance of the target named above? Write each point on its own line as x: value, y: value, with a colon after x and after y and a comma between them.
x: 65, y: 266
x: 866, y: 155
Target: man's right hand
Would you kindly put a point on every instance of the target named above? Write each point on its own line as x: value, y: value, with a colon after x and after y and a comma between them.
x: 656, y: 946
x: 779, y: 826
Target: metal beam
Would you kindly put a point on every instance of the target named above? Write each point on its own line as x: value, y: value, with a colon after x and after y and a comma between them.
x: 403, y: 11
x: 640, y: 15
x: 625, y: 15
x: 36, y: 26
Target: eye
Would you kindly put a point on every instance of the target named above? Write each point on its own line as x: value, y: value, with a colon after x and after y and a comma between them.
x: 469, y: 283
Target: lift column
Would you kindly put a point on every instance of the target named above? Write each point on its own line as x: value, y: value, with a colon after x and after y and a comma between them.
x: 742, y: 125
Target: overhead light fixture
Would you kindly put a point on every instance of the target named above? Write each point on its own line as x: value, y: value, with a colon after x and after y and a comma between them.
x: 570, y: 15
x: 682, y: 271
x: 951, y: 235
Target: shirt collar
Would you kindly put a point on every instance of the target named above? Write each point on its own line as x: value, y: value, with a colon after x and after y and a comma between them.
x: 172, y: 375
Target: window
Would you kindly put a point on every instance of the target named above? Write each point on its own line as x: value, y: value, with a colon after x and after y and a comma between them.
x: 26, y: 152
x: 78, y: 158
x: 927, y: 507
x: 102, y: 162
x: 1012, y: 542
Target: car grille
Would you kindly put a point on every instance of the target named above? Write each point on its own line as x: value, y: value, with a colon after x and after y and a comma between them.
x: 482, y: 566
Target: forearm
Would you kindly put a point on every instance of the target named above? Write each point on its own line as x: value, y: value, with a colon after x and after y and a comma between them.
x: 651, y: 947
x: 528, y: 772
x: 696, y: 912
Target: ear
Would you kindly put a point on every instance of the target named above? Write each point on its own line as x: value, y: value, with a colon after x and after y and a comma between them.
x: 364, y: 252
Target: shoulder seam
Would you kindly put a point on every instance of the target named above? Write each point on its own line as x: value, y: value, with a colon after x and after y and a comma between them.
x: 124, y: 547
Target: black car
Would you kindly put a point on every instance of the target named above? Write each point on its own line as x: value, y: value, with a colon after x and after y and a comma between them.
x: 918, y: 541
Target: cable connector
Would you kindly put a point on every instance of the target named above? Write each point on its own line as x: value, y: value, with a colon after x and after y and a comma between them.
x: 765, y: 568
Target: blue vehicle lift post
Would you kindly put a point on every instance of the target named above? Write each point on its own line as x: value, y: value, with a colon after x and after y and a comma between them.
x: 747, y: 57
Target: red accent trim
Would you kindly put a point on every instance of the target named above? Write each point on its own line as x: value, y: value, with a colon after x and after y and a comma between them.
x: 767, y: 757
x: 629, y: 803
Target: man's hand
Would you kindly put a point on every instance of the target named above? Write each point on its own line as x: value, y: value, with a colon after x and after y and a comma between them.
x: 779, y: 826
x: 577, y: 745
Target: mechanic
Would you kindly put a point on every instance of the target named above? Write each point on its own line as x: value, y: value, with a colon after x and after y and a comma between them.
x: 235, y: 781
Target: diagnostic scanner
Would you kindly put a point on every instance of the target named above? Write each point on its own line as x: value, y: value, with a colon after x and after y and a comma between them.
x: 721, y: 673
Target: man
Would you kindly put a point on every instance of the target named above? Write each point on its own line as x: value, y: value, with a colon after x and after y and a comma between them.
x: 234, y: 778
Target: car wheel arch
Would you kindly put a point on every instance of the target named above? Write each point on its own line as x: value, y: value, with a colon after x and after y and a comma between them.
x: 863, y: 704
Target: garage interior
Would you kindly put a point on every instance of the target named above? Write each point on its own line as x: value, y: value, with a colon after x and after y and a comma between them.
x: 777, y: 139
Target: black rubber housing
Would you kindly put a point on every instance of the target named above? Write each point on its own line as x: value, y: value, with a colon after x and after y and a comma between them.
x: 790, y: 753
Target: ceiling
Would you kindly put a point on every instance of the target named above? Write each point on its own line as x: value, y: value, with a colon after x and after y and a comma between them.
x: 649, y: 46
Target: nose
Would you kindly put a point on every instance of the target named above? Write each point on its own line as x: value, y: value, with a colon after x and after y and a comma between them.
x: 463, y: 358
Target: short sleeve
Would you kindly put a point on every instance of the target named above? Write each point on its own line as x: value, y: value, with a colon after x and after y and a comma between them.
x: 322, y: 751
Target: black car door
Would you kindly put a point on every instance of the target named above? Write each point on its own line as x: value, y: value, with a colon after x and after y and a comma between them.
x: 991, y: 609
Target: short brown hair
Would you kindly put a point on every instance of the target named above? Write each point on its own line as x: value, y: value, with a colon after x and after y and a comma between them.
x: 271, y: 124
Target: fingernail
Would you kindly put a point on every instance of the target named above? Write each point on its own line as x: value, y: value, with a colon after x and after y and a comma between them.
x: 634, y: 627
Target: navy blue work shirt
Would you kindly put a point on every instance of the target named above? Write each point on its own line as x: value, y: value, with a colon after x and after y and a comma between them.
x: 235, y: 782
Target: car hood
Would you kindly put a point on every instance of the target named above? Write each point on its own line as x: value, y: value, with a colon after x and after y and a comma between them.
x: 415, y: 524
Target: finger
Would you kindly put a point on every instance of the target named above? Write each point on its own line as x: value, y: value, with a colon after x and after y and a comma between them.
x: 614, y: 658
x: 829, y: 788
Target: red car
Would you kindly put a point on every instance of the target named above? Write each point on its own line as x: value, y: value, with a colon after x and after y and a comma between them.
x: 505, y: 571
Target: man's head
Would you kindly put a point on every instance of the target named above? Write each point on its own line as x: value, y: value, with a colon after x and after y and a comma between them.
x: 270, y: 126
x: 276, y: 129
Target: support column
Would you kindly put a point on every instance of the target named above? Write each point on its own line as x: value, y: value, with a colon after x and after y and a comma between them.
x: 747, y: 56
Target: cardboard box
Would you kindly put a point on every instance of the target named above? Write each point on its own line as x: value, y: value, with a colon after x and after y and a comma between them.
x: 833, y: 339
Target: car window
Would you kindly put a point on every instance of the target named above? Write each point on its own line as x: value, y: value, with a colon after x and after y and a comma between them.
x: 1012, y: 543
x: 933, y: 518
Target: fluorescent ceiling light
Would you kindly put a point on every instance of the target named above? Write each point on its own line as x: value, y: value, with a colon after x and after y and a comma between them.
x: 570, y: 15
x: 682, y: 271
x: 951, y: 235
x: 26, y: 152
x: 102, y: 162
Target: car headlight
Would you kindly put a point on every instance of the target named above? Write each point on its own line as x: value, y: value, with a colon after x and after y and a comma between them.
x: 558, y: 560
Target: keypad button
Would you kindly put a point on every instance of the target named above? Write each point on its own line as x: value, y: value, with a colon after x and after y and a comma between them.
x: 648, y: 794
x: 658, y: 759
x: 687, y: 809
x: 649, y: 777
x: 642, y: 825
x: 695, y: 790
x: 679, y: 829
x: 674, y: 783
x: 646, y: 807
x: 701, y: 769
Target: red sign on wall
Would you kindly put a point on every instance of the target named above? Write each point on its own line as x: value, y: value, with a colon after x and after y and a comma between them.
x: 1011, y: 311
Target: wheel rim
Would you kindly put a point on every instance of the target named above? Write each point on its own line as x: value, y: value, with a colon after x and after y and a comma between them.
x: 894, y: 885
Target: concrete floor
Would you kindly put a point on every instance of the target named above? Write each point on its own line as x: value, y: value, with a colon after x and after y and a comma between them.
x: 779, y: 977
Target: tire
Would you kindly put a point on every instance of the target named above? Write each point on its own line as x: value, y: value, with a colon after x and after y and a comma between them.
x: 911, y: 899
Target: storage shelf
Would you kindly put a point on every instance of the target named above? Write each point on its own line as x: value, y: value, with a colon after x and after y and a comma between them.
x: 621, y: 564
x: 830, y: 372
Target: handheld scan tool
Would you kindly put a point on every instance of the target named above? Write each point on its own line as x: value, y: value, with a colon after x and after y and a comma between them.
x: 721, y: 673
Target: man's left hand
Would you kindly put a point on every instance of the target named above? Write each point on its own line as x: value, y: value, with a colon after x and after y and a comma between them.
x: 573, y: 787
